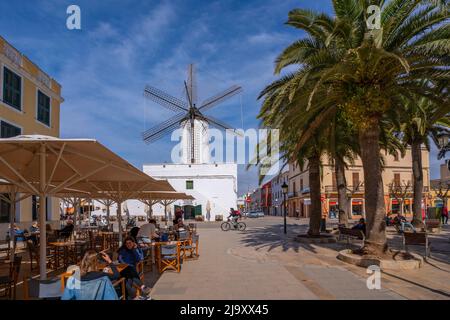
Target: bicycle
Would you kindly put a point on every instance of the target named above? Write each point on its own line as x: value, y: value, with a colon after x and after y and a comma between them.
x: 228, y: 225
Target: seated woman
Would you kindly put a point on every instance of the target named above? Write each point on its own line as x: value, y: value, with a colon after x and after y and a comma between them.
x: 90, y: 272
x: 90, y: 267
x: 131, y: 254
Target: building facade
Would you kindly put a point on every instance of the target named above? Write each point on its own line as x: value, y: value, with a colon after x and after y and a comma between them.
x: 266, y: 197
x: 397, y: 171
x: 29, y: 104
x: 277, y: 193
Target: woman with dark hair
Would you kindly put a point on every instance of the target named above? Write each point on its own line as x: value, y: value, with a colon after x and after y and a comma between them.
x: 131, y: 254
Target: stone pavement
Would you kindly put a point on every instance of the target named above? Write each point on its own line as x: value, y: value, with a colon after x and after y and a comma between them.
x: 261, y: 263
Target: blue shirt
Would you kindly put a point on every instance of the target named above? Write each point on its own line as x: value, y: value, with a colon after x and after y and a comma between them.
x: 131, y: 257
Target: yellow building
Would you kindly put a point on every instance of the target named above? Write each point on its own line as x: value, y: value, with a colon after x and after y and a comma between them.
x: 29, y: 104
x: 396, y: 170
x: 440, y: 189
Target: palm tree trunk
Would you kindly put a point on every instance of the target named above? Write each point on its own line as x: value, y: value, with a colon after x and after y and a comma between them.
x: 316, y: 204
x: 374, y: 194
x: 341, y: 190
x: 416, y: 153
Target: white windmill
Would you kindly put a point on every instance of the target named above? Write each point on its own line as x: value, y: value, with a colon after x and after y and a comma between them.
x: 190, y: 117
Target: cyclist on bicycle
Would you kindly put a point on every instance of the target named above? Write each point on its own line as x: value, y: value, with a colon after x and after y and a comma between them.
x: 234, y: 216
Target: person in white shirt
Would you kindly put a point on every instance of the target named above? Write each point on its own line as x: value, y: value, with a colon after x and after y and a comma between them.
x: 148, y: 231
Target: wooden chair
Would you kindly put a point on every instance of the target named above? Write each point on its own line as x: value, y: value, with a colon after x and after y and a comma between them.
x: 118, y: 284
x: 185, y: 243
x: 115, y: 241
x: 33, y: 251
x: 5, y: 247
x: 190, y: 251
x: 193, y: 227
x: 9, y: 282
x: 169, y: 257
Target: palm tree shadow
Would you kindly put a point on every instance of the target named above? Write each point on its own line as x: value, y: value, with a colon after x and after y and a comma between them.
x: 272, y: 237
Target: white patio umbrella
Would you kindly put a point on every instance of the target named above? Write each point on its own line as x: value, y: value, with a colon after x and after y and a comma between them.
x: 150, y: 198
x: 120, y: 191
x: 44, y: 166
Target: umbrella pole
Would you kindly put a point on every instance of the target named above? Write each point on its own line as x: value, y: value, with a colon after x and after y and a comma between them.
x: 12, y: 218
x: 107, y: 212
x: 119, y: 218
x: 42, y: 218
x: 150, y: 211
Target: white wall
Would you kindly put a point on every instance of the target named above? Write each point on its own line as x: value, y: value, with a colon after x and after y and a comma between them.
x: 24, y: 215
x: 214, y: 182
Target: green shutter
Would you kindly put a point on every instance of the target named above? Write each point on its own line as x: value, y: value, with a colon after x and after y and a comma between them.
x: 43, y: 112
x: 12, y: 89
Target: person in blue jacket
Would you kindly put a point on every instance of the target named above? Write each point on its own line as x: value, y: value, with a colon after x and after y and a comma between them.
x: 131, y: 254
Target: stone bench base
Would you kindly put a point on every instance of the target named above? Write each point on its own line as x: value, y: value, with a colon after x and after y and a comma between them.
x: 357, y: 260
x: 326, y: 238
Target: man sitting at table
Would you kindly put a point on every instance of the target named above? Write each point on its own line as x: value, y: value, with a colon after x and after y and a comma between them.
x: 34, y: 229
x: 131, y: 254
x: 147, y: 232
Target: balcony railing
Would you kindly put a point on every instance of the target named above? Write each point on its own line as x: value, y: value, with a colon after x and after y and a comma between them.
x: 329, y: 189
x: 292, y: 194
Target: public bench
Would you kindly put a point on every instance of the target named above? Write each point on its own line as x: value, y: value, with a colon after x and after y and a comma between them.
x: 416, y: 239
x: 348, y: 234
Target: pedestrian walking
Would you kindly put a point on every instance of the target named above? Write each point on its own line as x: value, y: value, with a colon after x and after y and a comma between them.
x: 444, y: 215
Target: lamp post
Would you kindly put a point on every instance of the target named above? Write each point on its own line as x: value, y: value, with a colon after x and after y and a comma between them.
x: 284, y: 187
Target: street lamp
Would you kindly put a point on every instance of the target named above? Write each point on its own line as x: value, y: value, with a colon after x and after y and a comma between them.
x: 284, y: 187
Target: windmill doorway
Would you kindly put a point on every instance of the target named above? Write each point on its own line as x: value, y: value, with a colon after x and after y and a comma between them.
x: 191, y: 211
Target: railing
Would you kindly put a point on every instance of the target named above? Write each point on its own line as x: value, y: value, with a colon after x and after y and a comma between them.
x: 292, y: 194
x: 329, y: 189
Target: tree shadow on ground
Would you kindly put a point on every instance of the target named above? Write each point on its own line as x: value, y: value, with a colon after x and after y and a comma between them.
x: 272, y: 237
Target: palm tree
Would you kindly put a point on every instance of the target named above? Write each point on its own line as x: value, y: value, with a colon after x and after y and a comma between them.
x: 364, y: 72
x: 422, y: 121
x: 342, y: 149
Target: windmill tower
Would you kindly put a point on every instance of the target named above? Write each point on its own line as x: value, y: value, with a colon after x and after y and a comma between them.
x: 190, y: 118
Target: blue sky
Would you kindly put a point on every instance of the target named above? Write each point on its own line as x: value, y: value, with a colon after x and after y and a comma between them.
x: 125, y: 44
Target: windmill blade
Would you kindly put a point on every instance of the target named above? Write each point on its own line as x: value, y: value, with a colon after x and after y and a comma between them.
x: 160, y: 130
x: 192, y: 84
x: 220, y: 124
x: 158, y: 135
x: 165, y: 99
x: 219, y: 98
x: 204, y: 128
